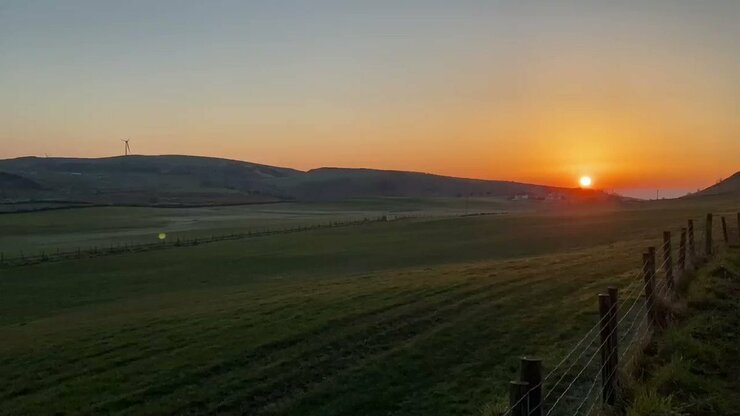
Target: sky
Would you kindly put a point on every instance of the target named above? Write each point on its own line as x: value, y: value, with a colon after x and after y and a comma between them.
x: 639, y: 95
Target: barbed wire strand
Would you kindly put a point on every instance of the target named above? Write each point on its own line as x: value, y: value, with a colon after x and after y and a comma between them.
x: 596, y: 377
x: 629, y: 345
x: 606, y: 339
x: 632, y: 292
x: 626, y: 314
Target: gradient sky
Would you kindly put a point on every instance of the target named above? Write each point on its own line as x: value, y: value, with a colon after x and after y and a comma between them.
x: 636, y: 94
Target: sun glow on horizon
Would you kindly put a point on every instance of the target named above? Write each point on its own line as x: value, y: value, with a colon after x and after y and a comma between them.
x: 585, y: 181
x: 523, y: 92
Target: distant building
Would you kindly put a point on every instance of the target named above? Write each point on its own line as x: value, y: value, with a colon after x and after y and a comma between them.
x: 555, y: 196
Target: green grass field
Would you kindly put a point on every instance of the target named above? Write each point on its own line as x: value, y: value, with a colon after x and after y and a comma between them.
x: 422, y: 316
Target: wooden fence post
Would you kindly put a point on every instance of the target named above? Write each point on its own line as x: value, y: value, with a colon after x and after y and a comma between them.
x: 653, y: 269
x: 682, y: 252
x: 607, y: 372
x: 668, y: 257
x: 724, y: 230
x: 708, y: 236
x: 517, y: 401
x: 738, y: 225
x: 648, y: 272
x: 531, y: 372
x: 614, y: 321
x: 692, y: 249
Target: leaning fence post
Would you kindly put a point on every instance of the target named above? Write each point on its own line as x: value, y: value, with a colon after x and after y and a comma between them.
x: 606, y: 350
x: 692, y: 250
x: 708, y: 236
x: 653, y: 267
x: 724, y: 230
x: 531, y: 372
x: 517, y: 401
x: 668, y: 257
x: 682, y: 251
x: 648, y: 272
x: 613, y: 320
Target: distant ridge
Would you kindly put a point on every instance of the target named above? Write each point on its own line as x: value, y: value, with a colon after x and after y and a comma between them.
x: 727, y: 186
x: 173, y: 180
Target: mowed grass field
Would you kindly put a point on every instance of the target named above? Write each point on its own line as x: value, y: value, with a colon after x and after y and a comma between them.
x: 423, y: 316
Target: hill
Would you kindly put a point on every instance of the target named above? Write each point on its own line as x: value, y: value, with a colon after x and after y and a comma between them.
x: 727, y: 186
x: 343, y: 183
x: 145, y: 180
x: 191, y: 180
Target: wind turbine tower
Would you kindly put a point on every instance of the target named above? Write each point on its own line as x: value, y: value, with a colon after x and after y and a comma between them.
x: 126, y: 147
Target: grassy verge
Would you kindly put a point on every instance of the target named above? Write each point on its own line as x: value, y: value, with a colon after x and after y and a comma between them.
x: 692, y: 368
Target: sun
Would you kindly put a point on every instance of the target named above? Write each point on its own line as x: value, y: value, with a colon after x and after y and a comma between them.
x: 585, y: 181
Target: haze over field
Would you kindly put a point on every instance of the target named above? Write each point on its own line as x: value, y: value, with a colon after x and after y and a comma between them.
x: 528, y: 91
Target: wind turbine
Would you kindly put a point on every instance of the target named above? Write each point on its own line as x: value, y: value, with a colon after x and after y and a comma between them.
x: 126, y: 147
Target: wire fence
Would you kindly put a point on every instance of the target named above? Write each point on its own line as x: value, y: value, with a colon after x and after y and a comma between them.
x: 42, y: 256
x: 571, y: 382
x: 587, y: 376
x: 22, y: 259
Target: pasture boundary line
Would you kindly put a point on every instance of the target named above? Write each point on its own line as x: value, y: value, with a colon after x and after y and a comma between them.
x: 83, y: 205
x: 527, y: 396
x: 96, y: 251
x: 125, y: 248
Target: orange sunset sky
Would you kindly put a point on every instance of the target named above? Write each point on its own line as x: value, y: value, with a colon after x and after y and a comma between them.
x: 637, y: 95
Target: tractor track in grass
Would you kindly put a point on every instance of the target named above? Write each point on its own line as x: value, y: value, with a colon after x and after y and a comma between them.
x: 409, y: 298
x: 296, y: 387
x: 328, y: 359
x: 453, y: 334
x: 262, y: 352
x: 318, y: 344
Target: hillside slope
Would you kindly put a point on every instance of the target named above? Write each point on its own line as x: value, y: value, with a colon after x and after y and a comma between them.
x: 190, y: 180
x: 342, y: 183
x: 727, y: 186
x: 145, y: 180
x: 10, y: 182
